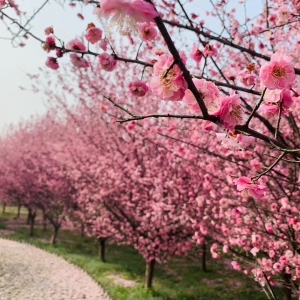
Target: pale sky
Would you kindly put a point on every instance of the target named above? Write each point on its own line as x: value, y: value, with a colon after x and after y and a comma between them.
x: 16, y: 62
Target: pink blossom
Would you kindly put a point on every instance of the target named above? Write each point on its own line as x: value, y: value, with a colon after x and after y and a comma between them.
x: 231, y: 140
x: 231, y: 112
x: 49, y: 43
x: 147, y: 31
x: 209, y: 93
x: 275, y: 98
x: 283, y: 15
x: 273, y: 95
x: 236, y: 265
x: 269, y: 109
x: 78, y: 61
x: 254, y: 251
x: 249, y: 188
x: 247, y: 78
x: 59, y: 52
x: 278, y: 73
x: 103, y: 44
x: 167, y: 85
x: 138, y: 88
x: 75, y: 45
x: 106, y: 62
x: 2, y: 3
x: 52, y: 63
x: 93, y: 34
x: 277, y: 267
x: 48, y: 30
x: 209, y: 50
x: 124, y: 14
x: 196, y: 54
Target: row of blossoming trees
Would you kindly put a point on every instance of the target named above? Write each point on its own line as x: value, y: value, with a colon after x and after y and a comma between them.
x: 222, y: 100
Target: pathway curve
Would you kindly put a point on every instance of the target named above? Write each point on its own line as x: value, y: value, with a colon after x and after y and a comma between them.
x: 29, y: 273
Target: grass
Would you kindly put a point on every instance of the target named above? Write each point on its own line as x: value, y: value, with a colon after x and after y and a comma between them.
x: 180, y: 279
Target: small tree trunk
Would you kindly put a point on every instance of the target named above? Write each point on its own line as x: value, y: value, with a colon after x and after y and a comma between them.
x: 54, y: 235
x: 82, y: 230
x: 3, y: 207
x: 204, y: 257
x: 29, y: 215
x: 32, y: 220
x: 101, y: 249
x: 44, y: 222
x: 149, y: 273
x: 287, y: 287
x: 19, y: 211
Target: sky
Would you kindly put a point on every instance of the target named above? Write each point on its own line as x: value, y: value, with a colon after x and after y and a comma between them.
x: 16, y: 62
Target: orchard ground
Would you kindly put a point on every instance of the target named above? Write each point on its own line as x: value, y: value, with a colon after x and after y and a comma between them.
x: 123, y: 274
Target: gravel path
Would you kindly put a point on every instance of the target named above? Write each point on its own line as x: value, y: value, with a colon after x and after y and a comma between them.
x: 29, y: 273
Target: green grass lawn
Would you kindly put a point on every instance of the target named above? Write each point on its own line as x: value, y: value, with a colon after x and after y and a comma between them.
x: 180, y: 279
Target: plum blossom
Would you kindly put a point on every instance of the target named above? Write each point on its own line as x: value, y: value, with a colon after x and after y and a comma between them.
x: 278, y: 73
x: 103, y: 44
x: 49, y: 43
x: 138, y: 88
x: 124, y: 14
x: 236, y: 265
x: 209, y: 93
x: 52, y: 63
x: 167, y: 84
x: 269, y: 109
x: 231, y: 112
x: 106, y: 62
x: 196, y: 54
x: 209, y: 50
x: 48, y: 30
x: 247, y: 78
x: 232, y: 140
x: 147, y: 31
x: 75, y: 45
x: 283, y: 15
x: 93, y: 34
x: 273, y: 99
x: 78, y: 61
x: 249, y: 188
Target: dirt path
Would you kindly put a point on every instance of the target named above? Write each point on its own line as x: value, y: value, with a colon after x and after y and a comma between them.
x: 29, y: 273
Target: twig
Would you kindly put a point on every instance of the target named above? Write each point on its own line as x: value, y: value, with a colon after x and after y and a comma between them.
x: 255, y: 178
x: 256, y: 107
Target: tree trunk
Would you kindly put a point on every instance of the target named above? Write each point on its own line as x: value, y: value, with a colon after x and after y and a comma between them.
x: 44, y: 222
x: 82, y: 230
x: 149, y: 273
x: 19, y: 211
x: 204, y: 257
x: 29, y: 215
x: 101, y: 249
x: 32, y: 220
x: 287, y: 287
x: 54, y: 235
x: 3, y: 207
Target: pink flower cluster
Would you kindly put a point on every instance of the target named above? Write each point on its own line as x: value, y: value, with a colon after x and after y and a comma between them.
x: 249, y: 188
x: 168, y: 84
